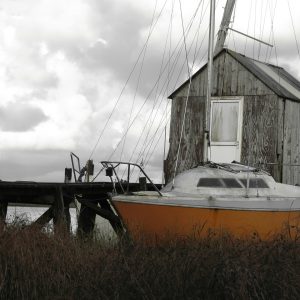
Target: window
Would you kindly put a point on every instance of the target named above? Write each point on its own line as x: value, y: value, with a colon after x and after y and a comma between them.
x: 232, y: 183
x: 209, y: 182
x: 255, y: 183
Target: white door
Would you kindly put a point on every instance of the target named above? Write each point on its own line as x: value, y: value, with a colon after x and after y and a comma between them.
x: 226, y: 121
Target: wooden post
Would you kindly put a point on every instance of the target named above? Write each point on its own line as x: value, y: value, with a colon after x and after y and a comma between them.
x: 87, y: 216
x: 68, y: 178
x: 86, y: 221
x: 59, y: 210
x: 44, y: 218
x: 143, y: 183
x: 3, y: 212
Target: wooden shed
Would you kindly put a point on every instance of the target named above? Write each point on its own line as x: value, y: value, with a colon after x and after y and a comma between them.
x: 255, y: 118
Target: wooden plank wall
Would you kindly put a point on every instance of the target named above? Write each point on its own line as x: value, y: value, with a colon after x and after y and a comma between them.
x: 291, y: 144
x: 262, y: 125
x: 260, y: 133
x: 191, y: 148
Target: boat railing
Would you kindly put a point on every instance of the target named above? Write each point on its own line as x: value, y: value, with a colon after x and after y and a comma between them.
x: 111, y: 166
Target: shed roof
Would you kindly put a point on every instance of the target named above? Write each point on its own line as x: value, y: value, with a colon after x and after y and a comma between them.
x: 276, y: 78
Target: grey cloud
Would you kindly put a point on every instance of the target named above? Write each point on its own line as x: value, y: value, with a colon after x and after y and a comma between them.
x: 20, y: 117
x: 31, y: 164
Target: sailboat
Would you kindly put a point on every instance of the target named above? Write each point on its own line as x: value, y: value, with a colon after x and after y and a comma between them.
x: 212, y: 197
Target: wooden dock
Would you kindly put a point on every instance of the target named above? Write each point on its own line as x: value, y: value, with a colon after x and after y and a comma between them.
x: 94, y: 199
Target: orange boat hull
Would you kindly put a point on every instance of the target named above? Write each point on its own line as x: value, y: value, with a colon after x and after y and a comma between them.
x: 159, y: 221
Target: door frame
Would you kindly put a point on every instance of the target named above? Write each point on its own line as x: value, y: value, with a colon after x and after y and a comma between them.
x: 238, y: 143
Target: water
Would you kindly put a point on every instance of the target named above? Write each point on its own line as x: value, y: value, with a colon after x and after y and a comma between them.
x: 30, y: 214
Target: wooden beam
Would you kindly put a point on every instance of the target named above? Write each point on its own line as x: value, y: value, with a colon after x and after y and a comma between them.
x: 45, y: 218
x: 117, y: 226
x: 106, y: 214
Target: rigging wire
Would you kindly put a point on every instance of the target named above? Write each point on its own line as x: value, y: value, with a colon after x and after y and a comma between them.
x: 231, y: 24
x: 173, y: 66
x: 248, y: 26
x: 262, y: 28
x: 254, y: 26
x: 147, y: 160
x: 156, y: 97
x: 125, y: 85
x: 149, y: 145
x: 180, y: 72
x: 272, y: 13
x: 151, y: 119
x: 175, y: 62
x: 270, y: 34
x: 197, y: 9
x: 187, y: 97
x: 138, y: 81
x: 292, y: 21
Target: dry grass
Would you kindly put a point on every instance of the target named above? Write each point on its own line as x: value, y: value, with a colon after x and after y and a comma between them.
x: 36, y: 265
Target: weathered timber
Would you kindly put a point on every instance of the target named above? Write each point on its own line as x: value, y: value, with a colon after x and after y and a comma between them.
x: 291, y: 147
x: 191, y: 151
x: 105, y: 204
x: 259, y: 142
x: 3, y: 211
x: 108, y: 215
x: 86, y: 217
x: 45, y: 218
x: 59, y: 220
x: 143, y: 183
x: 44, y: 193
x: 59, y: 196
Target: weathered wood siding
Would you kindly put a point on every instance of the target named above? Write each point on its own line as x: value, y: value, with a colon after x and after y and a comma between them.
x: 262, y: 117
x: 291, y: 146
x: 260, y: 133
x: 191, y: 149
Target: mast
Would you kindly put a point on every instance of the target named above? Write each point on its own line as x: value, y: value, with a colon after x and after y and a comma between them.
x: 209, y: 79
x: 224, y: 25
x: 219, y: 46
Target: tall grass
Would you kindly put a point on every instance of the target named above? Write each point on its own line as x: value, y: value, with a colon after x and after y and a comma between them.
x: 37, y: 265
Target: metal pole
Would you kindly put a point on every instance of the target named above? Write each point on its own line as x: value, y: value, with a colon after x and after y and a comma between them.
x: 209, y: 79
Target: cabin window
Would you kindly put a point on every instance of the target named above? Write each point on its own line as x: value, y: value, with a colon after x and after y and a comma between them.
x: 209, y: 182
x: 255, y: 183
x: 231, y: 183
x: 219, y: 183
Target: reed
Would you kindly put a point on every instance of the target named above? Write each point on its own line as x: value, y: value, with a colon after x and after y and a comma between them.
x: 41, y: 265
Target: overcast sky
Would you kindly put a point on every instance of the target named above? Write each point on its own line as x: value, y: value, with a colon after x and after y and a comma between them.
x: 64, y: 64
